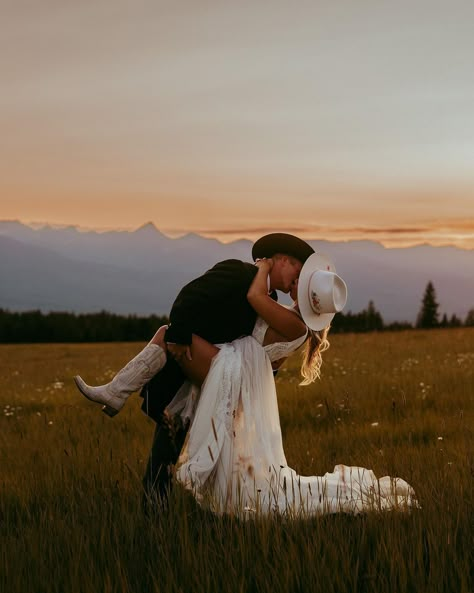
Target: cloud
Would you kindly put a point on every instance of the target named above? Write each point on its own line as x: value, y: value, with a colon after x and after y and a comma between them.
x: 257, y: 230
x: 456, y: 232
x: 386, y: 231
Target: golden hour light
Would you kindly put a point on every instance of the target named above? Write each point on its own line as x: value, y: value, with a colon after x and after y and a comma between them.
x: 338, y: 122
x: 237, y: 296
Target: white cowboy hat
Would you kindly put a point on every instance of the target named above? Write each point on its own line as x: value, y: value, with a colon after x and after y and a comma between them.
x: 321, y: 292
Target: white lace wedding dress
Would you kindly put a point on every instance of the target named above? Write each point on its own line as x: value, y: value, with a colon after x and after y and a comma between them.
x: 233, y: 459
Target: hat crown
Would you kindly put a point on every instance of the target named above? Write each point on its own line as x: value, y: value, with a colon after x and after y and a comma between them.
x: 327, y: 292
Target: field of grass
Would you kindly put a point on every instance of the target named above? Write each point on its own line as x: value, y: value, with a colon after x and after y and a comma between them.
x: 70, y: 478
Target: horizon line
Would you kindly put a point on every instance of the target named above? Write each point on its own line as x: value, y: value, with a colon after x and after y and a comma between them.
x: 434, y: 234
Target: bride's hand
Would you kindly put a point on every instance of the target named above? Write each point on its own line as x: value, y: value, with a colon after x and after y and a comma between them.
x: 259, y: 286
x: 264, y: 263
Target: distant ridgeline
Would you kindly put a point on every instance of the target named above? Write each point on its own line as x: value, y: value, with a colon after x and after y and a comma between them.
x: 34, y: 326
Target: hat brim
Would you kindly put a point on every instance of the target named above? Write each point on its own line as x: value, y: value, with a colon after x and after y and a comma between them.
x: 273, y: 243
x: 315, y: 262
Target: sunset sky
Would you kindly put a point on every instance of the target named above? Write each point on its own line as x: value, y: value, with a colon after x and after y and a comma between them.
x: 337, y: 120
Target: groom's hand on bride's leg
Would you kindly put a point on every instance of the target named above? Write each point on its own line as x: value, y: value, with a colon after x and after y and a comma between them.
x: 179, y: 352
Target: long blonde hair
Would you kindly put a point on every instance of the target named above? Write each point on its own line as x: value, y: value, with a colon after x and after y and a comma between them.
x: 316, y: 343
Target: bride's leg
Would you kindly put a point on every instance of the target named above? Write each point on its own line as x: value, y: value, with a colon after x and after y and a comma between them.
x: 131, y: 378
x: 202, y: 353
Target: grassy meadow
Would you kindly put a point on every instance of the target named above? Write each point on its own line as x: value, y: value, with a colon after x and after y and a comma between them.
x: 401, y: 404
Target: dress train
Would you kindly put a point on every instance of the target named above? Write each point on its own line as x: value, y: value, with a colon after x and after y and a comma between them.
x: 233, y: 459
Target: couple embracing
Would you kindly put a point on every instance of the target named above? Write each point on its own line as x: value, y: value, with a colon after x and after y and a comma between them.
x: 208, y: 382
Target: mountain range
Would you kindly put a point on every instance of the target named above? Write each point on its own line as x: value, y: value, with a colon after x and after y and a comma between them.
x: 141, y: 272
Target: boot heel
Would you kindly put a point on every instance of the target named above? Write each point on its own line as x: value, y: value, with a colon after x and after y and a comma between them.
x: 110, y: 411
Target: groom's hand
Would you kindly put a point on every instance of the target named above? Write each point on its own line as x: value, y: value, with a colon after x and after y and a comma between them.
x: 179, y: 351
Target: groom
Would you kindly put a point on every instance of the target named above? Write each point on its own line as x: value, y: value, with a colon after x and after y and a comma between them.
x: 214, y: 306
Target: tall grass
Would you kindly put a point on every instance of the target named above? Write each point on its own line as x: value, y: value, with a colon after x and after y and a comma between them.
x: 400, y: 404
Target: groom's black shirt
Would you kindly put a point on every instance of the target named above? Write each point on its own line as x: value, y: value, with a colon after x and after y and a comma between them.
x: 213, y: 306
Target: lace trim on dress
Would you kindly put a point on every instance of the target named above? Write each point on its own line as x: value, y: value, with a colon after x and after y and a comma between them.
x: 259, y: 330
x: 277, y: 350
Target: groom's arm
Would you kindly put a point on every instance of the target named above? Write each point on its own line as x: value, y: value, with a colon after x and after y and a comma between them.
x: 198, y: 298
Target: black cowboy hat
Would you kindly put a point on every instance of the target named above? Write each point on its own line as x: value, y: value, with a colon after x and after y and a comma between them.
x: 273, y: 243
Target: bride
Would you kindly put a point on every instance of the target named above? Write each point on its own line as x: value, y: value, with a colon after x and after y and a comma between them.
x: 233, y: 459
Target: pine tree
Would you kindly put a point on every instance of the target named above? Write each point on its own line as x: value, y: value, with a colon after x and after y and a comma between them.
x: 373, y: 318
x: 429, y: 315
x: 469, y: 321
x: 455, y: 321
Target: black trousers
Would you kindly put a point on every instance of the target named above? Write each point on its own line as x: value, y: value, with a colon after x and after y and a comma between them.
x: 169, y: 434
x: 168, y: 441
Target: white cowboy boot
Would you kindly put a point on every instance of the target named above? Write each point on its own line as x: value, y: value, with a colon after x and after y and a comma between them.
x: 132, y: 377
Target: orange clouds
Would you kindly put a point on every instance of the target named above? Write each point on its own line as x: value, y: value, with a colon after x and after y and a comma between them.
x: 458, y: 233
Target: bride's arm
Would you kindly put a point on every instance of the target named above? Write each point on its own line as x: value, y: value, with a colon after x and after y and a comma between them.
x: 283, y: 320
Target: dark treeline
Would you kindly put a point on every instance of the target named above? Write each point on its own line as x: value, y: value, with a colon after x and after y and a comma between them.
x: 365, y: 321
x: 428, y: 318
x: 34, y: 326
